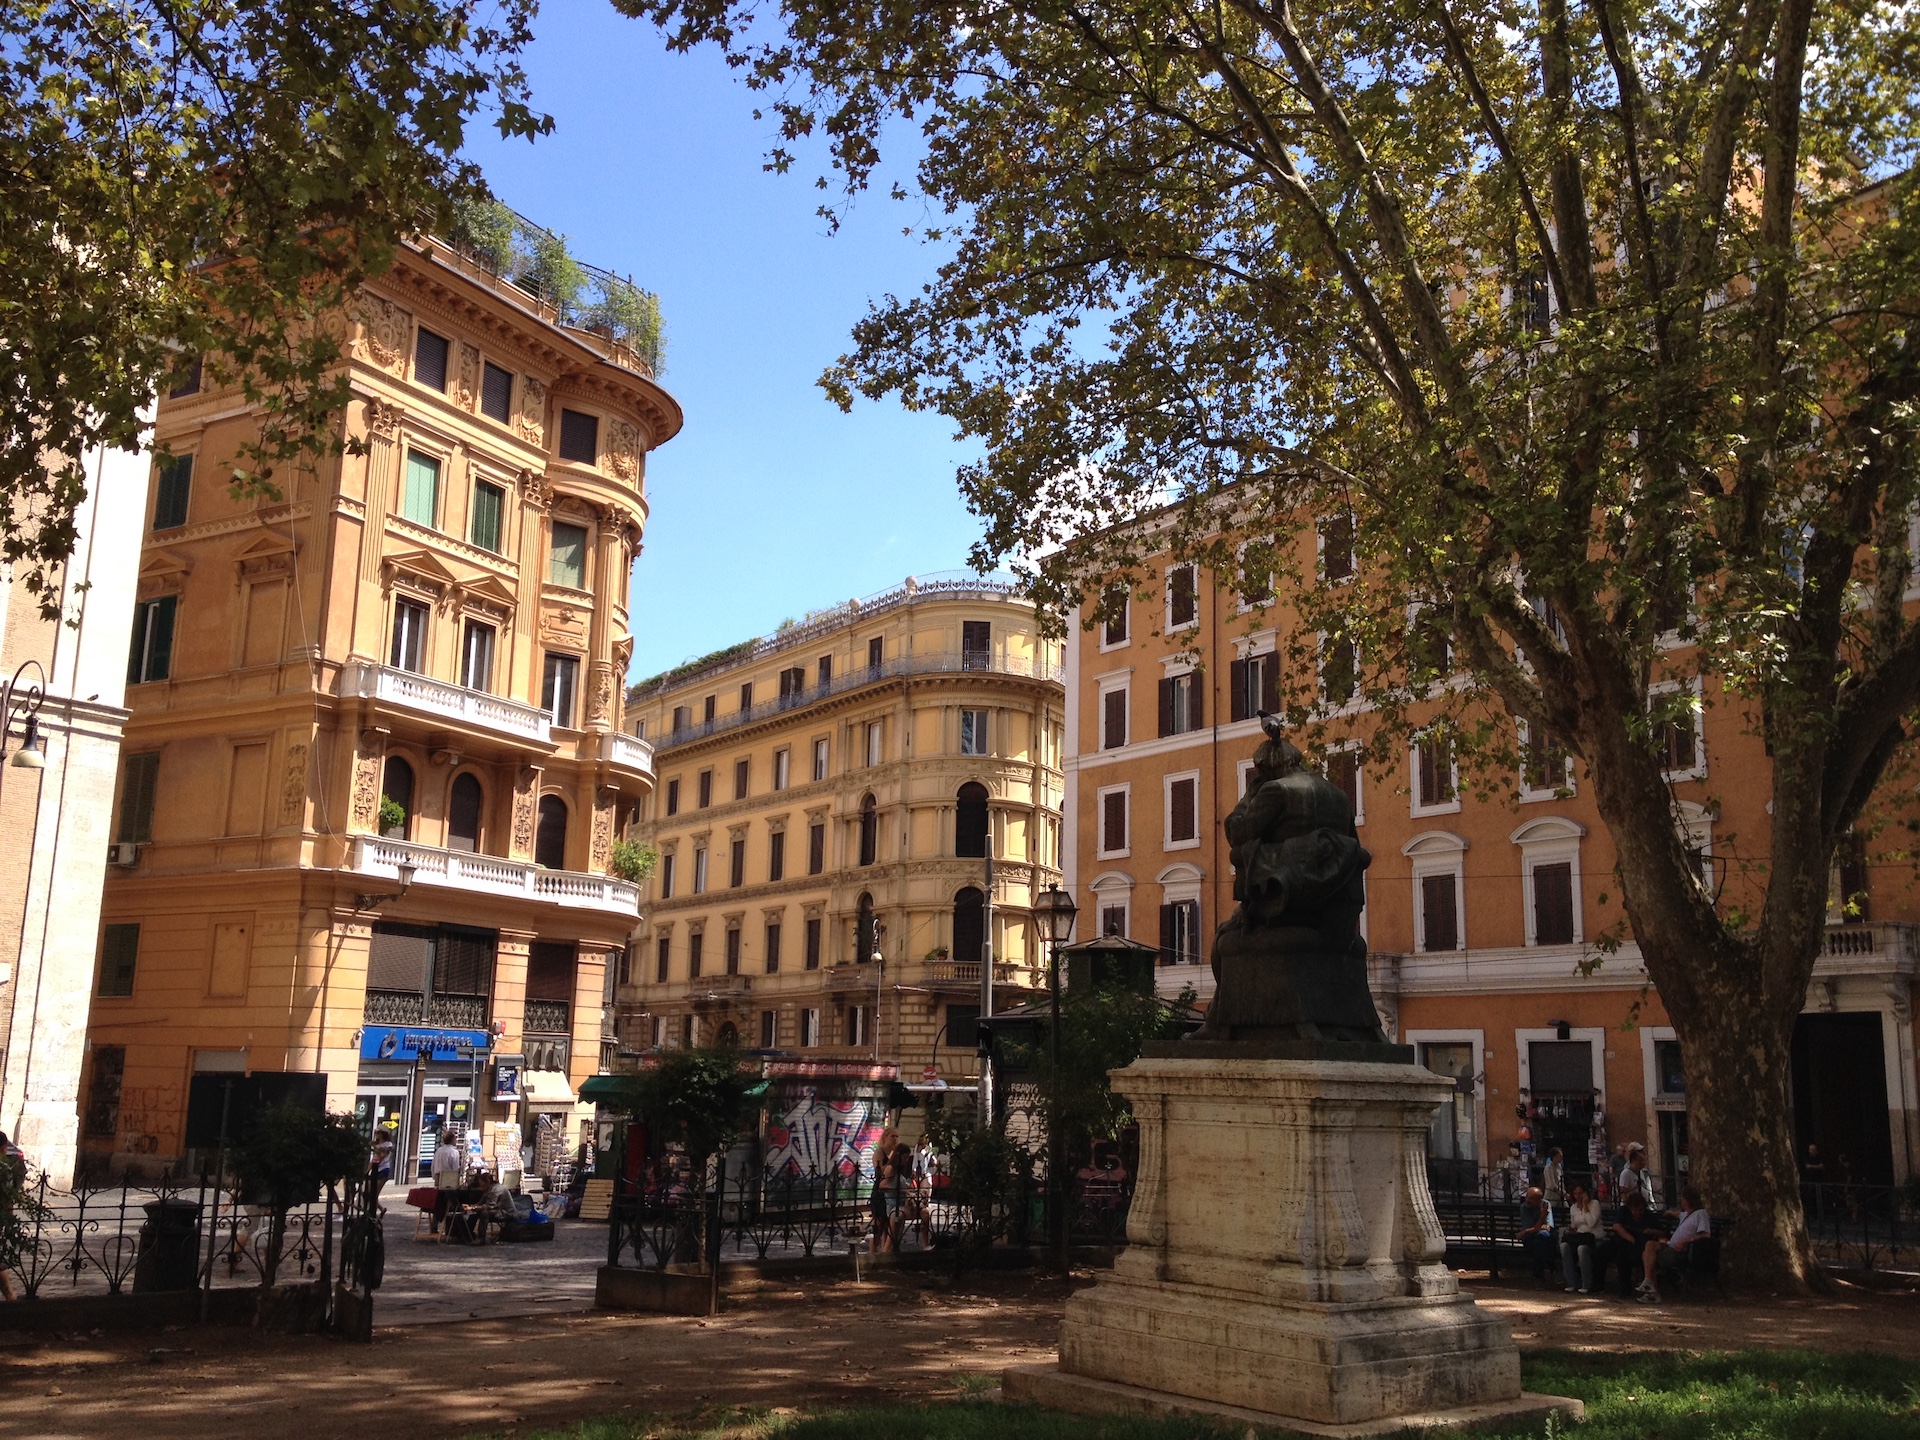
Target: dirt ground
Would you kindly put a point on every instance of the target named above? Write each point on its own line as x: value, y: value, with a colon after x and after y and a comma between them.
x: 894, y: 1339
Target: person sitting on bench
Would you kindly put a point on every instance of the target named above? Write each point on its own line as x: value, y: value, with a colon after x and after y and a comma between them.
x: 1670, y: 1255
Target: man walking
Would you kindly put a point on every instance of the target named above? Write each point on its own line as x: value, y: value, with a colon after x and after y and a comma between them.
x: 449, y: 1169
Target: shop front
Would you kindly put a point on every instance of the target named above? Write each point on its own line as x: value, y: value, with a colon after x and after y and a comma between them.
x: 421, y: 1081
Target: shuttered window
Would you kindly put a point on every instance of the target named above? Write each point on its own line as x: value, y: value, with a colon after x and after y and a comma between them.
x: 1183, y: 606
x: 663, y: 960
x: 812, y: 960
x: 567, y: 557
x: 430, y: 359
x: 409, y: 648
x: 119, y: 955
x: 1183, y: 810
x: 777, y: 856
x: 139, y: 775
x: 1113, y: 821
x: 1180, y: 933
x: 1339, y: 670
x: 696, y: 944
x: 483, y: 526
x: 741, y: 771
x: 1113, y: 615
x: 1336, y: 547
x: 420, y: 492
x: 579, y: 437
x: 816, y: 849
x: 463, y: 962
x: 151, y: 657
x: 1434, y: 758
x: 1343, y: 769
x: 1553, y: 903
x: 550, y: 970
x: 773, y: 947
x: 737, y: 864
x: 1439, y: 913
x: 399, y: 957
x: 733, y: 950
x: 1253, y: 685
x: 173, y: 481
x: 1180, y: 704
x: 496, y: 393
x: 1113, y: 719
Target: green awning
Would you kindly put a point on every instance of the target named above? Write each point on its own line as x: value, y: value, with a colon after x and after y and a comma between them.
x: 603, y: 1087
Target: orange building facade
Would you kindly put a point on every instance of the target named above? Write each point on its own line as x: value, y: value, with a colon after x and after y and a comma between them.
x: 375, y: 768
x: 1484, y: 915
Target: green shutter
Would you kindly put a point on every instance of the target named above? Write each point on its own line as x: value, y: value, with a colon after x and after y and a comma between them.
x: 567, y: 564
x: 485, y: 527
x: 420, y: 501
x: 119, y: 952
x: 173, y: 482
x: 160, y: 654
x: 140, y: 773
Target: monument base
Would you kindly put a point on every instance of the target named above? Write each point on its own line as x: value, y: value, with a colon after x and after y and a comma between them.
x: 1283, y: 1253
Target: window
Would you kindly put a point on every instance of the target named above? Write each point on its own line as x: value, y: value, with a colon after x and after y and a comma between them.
x: 1435, y: 781
x: 1256, y: 577
x: 682, y: 718
x: 809, y: 1028
x: 673, y: 796
x: 970, y: 821
x: 1183, y: 602
x: 876, y: 653
x: 666, y: 876
x: 816, y: 849
x: 773, y: 947
x: 1113, y: 718
x: 973, y: 732
x: 1544, y: 771
x: 1113, y: 616
x: 1113, y: 920
x: 1343, y: 769
x: 1669, y: 1075
x: 1180, y: 705
x: 463, y: 814
x: 686, y: 1032
x: 976, y: 644
x: 409, y: 648
x: 700, y: 870
x: 826, y: 671
x: 396, y: 784
x: 1429, y: 646
x: 567, y: 556
x: 873, y: 735
x: 767, y: 1019
x: 709, y: 708
x: 496, y: 392
x: 782, y: 768
x: 696, y: 947
x: 812, y: 958
x: 1553, y: 903
x: 869, y: 831
x: 856, y: 1025
x: 1440, y: 911
x: 173, y: 479
x: 189, y: 382
x: 103, y: 1094
x: 793, y: 681
x: 579, y: 437
x: 1339, y: 670
x: 483, y: 525
x: 557, y: 688
x: 733, y: 950
x: 776, y: 856
x: 970, y: 925
x: 737, y: 864
x: 1180, y: 933
x: 138, y: 776
x: 1679, y: 739
x: 1450, y: 1137
x: 1183, y: 810
x: 550, y: 833
x: 1253, y: 685
x: 420, y: 491
x: 1113, y: 821
x: 746, y: 697
x: 820, y: 758
x: 476, y: 656
x: 963, y: 1026
x: 119, y: 954
x: 1336, y: 548
x: 706, y: 789
x: 741, y: 771
x: 430, y: 359
x: 152, y: 654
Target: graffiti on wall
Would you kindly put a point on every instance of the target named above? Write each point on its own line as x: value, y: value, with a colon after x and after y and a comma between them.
x: 811, y: 1136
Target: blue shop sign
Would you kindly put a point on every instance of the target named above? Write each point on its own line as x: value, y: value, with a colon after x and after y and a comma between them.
x: 410, y: 1042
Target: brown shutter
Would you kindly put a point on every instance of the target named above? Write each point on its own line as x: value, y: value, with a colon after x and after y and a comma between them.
x: 1114, y: 821
x: 1182, y: 822
x: 1237, y: 691
x: 1196, y: 702
x: 1166, y: 707
x: 1270, y: 683
x: 1167, y: 955
x: 1553, y: 904
x: 1114, y: 731
x: 1441, y: 915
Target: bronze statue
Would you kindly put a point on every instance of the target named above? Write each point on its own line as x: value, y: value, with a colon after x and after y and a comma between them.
x: 1290, y: 964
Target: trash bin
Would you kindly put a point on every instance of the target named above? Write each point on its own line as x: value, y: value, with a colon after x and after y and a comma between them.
x: 169, y: 1255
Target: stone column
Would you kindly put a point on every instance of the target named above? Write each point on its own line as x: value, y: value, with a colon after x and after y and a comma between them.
x: 510, y: 989
x: 330, y: 996
x: 383, y: 462
x: 589, y: 995
x: 608, y: 573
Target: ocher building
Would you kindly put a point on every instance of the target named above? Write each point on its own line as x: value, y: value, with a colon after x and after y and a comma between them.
x: 408, y: 668
x: 830, y: 792
x: 1483, y: 915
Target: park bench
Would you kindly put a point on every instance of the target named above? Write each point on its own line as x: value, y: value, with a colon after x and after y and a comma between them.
x: 1478, y: 1228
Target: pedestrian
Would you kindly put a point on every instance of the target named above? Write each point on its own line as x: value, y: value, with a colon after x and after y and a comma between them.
x: 1579, y: 1238
x: 923, y: 1189
x: 899, y: 1190
x: 1553, y: 1180
x: 379, y: 1165
x: 449, y: 1171
x: 1636, y: 1177
x: 1536, y: 1238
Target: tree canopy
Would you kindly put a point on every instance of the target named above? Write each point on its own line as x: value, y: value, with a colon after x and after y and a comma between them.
x: 1596, y: 319
x: 205, y: 183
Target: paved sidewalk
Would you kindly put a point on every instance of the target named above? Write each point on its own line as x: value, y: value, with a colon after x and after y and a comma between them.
x: 428, y: 1282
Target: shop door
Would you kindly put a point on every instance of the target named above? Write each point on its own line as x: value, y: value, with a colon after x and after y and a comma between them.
x: 1840, y: 1096
x: 1560, y: 1074
x: 1453, y: 1147
x: 433, y: 1119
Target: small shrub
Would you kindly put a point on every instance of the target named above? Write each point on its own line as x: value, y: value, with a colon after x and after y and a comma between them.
x: 393, y: 816
x: 632, y: 861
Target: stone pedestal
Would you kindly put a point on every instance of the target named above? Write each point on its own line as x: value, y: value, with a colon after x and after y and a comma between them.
x: 1283, y: 1255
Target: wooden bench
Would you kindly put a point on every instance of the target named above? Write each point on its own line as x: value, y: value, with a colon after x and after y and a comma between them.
x: 1478, y: 1228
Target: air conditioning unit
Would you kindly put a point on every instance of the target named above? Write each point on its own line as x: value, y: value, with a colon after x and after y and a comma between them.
x: 124, y: 853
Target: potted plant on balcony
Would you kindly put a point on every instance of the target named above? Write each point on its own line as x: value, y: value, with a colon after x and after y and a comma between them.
x: 393, y: 818
x: 632, y: 861
x: 939, y: 952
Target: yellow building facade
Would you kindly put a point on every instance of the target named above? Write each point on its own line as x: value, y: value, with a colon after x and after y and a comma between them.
x: 375, y: 767
x: 830, y: 793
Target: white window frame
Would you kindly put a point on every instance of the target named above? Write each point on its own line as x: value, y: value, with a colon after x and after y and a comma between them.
x: 1243, y: 772
x: 873, y: 742
x: 982, y: 732
x: 810, y: 1027
x: 857, y: 1023
x: 1320, y: 550
x: 1548, y: 841
x: 1478, y: 1040
x: 1245, y: 607
x: 1167, y: 589
x: 1445, y: 807
x: 1101, y: 625
x: 782, y: 767
x: 1167, y: 842
x: 700, y: 870
x: 1529, y: 795
x: 1696, y: 833
x: 1650, y: 1038
x: 1594, y: 1035
x: 1100, y: 852
x: 1123, y: 683
x: 1699, y: 767
x: 822, y: 757
x: 1354, y: 747
x: 1438, y: 852
x: 1114, y: 891
x: 1355, y: 702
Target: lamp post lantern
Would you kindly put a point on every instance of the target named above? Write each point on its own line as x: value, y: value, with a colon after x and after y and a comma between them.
x: 27, y: 703
x: 1054, y: 911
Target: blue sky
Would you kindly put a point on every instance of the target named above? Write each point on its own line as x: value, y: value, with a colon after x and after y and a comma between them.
x: 770, y: 502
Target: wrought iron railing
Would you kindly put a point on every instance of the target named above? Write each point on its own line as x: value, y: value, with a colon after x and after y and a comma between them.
x: 549, y: 1017
x: 411, y: 1007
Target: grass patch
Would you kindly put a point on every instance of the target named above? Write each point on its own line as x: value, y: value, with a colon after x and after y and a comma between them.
x: 1749, y: 1395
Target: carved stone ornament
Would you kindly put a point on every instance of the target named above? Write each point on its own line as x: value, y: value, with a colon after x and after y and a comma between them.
x: 523, y: 787
x: 538, y: 493
x: 600, y: 702
x: 293, y: 788
x: 532, y: 423
x: 623, y: 450
x: 466, y: 382
x: 366, y: 792
x: 384, y: 330
x: 382, y: 419
x: 602, y: 830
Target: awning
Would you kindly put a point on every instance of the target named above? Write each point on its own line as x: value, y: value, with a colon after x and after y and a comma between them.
x: 546, y: 1089
x: 604, y: 1087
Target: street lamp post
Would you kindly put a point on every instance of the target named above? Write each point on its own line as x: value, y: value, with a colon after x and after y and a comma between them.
x: 1054, y: 910
x: 28, y: 756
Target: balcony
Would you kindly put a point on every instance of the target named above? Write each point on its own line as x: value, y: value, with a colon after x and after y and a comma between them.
x: 949, y: 974
x: 718, y: 987
x: 548, y: 1017
x: 852, y: 976
x: 473, y: 710
x: 627, y: 752
x: 1868, y: 946
x: 410, y: 1007
x: 381, y: 859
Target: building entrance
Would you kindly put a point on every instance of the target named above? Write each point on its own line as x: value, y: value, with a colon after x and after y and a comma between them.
x: 1840, y: 1096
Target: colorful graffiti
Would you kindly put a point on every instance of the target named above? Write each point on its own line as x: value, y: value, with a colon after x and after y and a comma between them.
x: 812, y: 1136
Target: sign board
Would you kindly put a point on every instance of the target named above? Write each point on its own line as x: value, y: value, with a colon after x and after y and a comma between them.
x: 244, y: 1096
x: 930, y: 1074
x: 419, y: 1042
x: 508, y: 1071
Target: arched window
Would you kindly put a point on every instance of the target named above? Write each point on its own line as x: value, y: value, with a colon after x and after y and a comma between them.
x: 550, y: 840
x: 969, y: 925
x: 864, y: 936
x: 396, y: 784
x: 869, y: 832
x: 727, y: 1037
x: 463, y: 814
x: 970, y: 821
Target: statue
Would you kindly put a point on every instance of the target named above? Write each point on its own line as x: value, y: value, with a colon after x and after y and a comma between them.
x: 1290, y: 966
